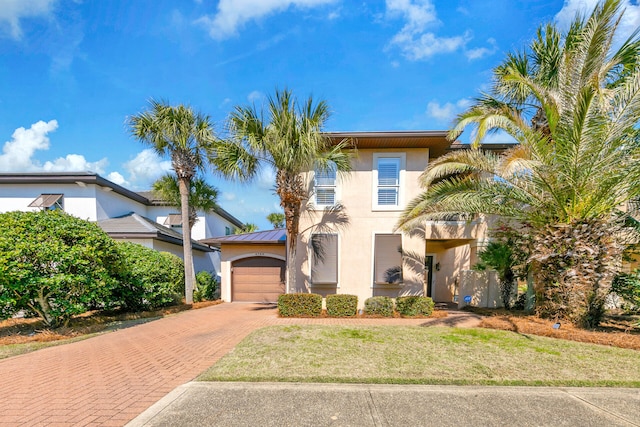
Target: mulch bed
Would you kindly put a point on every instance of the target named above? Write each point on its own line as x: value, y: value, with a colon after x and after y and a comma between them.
x: 616, y: 331
x: 21, y: 330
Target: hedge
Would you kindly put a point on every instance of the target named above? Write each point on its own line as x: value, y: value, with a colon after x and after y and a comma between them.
x: 342, y: 305
x: 301, y: 304
x: 414, y: 306
x: 208, y: 288
x: 381, y: 306
x: 149, y: 279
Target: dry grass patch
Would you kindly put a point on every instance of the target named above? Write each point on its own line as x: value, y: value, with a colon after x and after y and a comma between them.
x: 419, y: 355
x: 614, y: 331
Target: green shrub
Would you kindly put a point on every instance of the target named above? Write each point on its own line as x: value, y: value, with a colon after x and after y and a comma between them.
x: 414, y: 306
x: 381, y: 306
x: 148, y: 279
x: 342, y: 305
x: 627, y: 287
x: 292, y: 305
x: 208, y: 288
x: 54, y: 265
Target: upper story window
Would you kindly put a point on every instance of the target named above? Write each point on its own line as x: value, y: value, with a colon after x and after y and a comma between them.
x: 325, y: 186
x: 48, y: 202
x: 173, y: 220
x: 227, y: 231
x: 388, y: 174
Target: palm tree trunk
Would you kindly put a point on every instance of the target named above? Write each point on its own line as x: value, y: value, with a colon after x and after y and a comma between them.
x: 189, y: 273
x: 291, y: 190
x: 576, y: 265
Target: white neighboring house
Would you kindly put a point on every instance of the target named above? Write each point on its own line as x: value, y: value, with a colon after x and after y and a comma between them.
x: 122, y: 213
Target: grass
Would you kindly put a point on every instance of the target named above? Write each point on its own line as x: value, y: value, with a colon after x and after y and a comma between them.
x: 420, y: 355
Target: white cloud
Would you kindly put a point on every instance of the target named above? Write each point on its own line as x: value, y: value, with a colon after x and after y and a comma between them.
x: 234, y: 14
x: 117, y: 178
x: 12, y: 11
x: 630, y: 20
x: 145, y: 168
x: 17, y: 154
x: 414, y: 40
x: 481, y: 52
x: 228, y: 196
x: 75, y: 163
x: 447, y: 111
x: 255, y: 96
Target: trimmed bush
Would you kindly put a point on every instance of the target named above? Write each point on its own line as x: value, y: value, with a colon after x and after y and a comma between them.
x: 148, y: 279
x: 627, y: 286
x: 342, y: 305
x: 414, y: 306
x: 54, y: 265
x: 381, y: 306
x: 208, y: 288
x: 293, y: 305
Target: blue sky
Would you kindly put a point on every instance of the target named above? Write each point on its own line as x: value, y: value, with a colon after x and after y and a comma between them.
x: 72, y: 71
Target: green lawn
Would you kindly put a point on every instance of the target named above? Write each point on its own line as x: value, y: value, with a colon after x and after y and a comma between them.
x: 422, y: 355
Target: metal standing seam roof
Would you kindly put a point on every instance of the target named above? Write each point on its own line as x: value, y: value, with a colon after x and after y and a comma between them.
x: 135, y: 226
x: 268, y: 237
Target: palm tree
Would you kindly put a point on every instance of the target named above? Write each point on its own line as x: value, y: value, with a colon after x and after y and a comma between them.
x: 290, y: 140
x: 247, y: 227
x: 572, y: 103
x: 202, y: 196
x: 276, y: 219
x: 187, y: 138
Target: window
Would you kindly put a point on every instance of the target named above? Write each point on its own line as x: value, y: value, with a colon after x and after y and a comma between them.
x: 387, y: 258
x: 173, y: 220
x: 388, y: 176
x: 325, y: 187
x: 324, y: 268
x: 227, y: 231
x: 49, y: 202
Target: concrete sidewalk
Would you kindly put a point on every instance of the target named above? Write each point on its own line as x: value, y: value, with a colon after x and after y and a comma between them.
x: 295, y: 404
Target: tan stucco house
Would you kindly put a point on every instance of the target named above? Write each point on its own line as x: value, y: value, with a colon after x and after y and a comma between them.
x: 367, y: 257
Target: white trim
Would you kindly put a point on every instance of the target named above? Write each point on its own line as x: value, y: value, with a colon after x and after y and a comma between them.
x: 402, y: 156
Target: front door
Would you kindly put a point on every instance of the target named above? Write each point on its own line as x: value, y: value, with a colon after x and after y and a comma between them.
x: 428, y: 273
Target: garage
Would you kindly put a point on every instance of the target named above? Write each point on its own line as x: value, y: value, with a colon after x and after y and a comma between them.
x: 257, y: 279
x: 252, y: 265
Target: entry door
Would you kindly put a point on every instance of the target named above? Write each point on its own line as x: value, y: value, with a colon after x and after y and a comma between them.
x: 428, y: 271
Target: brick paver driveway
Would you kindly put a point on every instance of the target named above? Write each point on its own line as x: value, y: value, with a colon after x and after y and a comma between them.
x: 110, y: 379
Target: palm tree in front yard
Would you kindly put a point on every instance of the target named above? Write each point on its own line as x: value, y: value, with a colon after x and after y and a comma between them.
x: 572, y: 103
x: 290, y: 140
x: 202, y: 195
x: 187, y: 138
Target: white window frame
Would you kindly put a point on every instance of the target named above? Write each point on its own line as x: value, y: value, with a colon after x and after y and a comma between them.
x: 324, y: 186
x: 402, y: 157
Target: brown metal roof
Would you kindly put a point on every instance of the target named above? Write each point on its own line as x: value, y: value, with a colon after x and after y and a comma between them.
x: 268, y: 237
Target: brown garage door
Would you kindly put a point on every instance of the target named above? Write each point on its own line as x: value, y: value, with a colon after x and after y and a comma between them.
x: 257, y: 279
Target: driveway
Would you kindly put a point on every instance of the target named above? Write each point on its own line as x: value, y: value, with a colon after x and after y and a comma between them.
x: 112, y: 378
